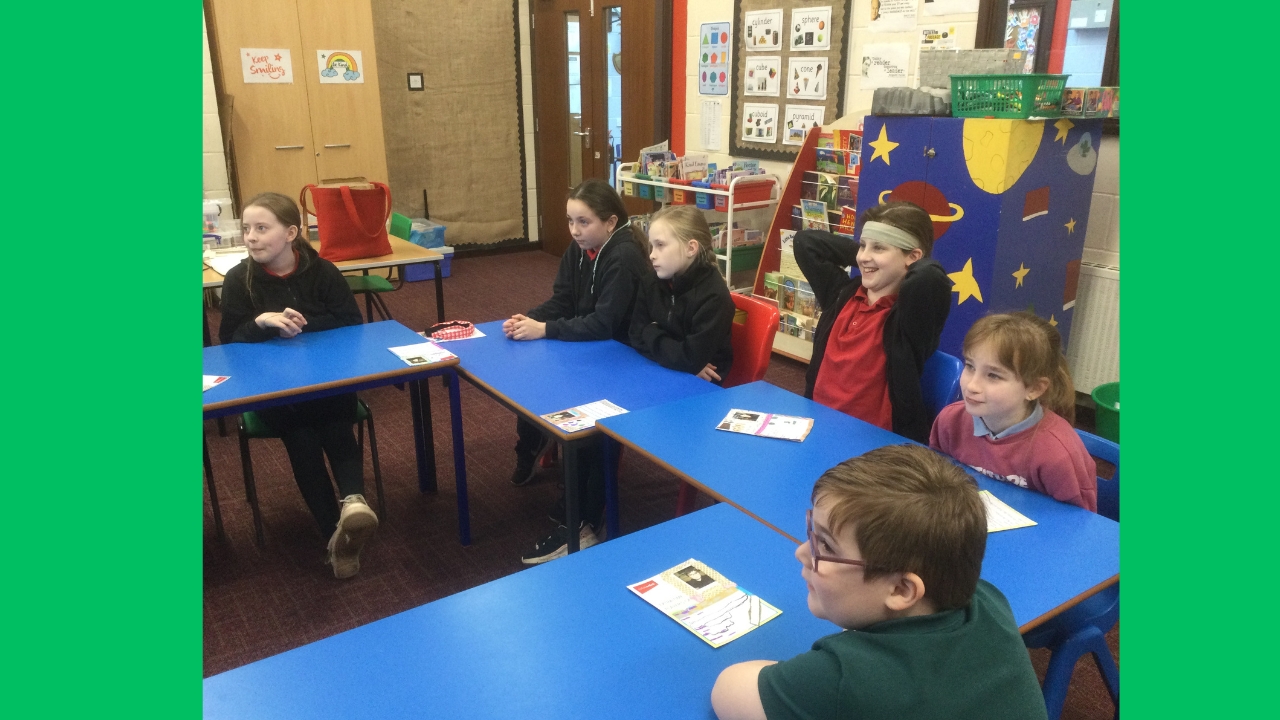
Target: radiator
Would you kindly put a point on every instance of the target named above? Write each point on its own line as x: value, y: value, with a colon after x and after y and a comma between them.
x: 1094, y: 351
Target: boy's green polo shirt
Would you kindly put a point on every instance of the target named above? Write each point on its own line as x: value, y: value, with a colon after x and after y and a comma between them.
x: 966, y: 663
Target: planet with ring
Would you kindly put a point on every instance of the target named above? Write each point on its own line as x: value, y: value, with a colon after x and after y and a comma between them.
x: 941, y: 212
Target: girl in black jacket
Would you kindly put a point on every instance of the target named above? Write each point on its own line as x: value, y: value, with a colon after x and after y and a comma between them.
x: 282, y: 289
x: 684, y: 314
x: 592, y: 299
x: 897, y: 288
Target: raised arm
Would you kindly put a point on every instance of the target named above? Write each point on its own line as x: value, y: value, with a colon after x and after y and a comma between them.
x: 823, y: 257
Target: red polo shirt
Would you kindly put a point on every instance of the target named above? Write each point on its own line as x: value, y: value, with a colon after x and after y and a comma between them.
x: 852, y: 378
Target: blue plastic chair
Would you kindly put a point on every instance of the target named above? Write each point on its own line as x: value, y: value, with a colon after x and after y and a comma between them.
x: 940, y: 381
x: 1083, y: 629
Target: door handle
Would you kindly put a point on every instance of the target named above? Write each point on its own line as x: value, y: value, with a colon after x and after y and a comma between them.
x: 288, y: 147
x: 587, y: 133
x: 343, y: 145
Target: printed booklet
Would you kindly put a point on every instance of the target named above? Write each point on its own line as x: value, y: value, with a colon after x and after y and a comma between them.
x: 583, y: 416
x: 705, y: 602
x: 421, y: 353
x: 782, y: 427
x: 211, y: 381
x: 1002, y: 517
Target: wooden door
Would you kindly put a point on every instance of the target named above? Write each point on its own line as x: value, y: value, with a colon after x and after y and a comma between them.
x: 586, y: 99
x: 271, y: 136
x: 346, y: 118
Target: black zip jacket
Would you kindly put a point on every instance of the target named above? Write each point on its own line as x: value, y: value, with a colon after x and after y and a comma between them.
x: 685, y: 324
x: 593, y: 299
x: 316, y: 289
x: 911, y: 332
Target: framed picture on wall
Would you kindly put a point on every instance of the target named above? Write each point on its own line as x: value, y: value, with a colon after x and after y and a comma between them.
x: 1027, y: 26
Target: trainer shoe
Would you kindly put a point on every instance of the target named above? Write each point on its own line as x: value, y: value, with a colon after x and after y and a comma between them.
x: 556, y: 544
x: 527, y: 464
x: 356, y: 525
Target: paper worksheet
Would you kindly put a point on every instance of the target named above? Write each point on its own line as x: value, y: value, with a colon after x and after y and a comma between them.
x: 583, y: 416
x: 1000, y: 516
x: 222, y: 262
x: 212, y: 381
x: 711, y: 125
x: 421, y: 353
x: 705, y: 602
x: 782, y: 427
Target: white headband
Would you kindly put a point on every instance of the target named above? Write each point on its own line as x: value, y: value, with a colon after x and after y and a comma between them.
x: 889, y: 235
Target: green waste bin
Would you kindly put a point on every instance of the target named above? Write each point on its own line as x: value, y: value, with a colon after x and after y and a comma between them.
x: 1107, y: 399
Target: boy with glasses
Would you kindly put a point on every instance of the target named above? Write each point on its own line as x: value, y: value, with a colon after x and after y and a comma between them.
x: 896, y: 538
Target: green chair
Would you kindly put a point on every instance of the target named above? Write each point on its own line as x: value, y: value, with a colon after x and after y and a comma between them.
x: 371, y: 286
x: 251, y: 426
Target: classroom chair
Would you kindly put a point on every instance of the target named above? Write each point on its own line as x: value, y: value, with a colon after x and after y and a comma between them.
x: 1082, y: 629
x: 940, y: 381
x: 252, y: 427
x: 752, y: 342
x: 371, y: 286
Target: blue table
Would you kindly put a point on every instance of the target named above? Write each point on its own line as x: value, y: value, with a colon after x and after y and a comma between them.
x: 343, y: 360
x: 533, y: 378
x: 1043, y: 570
x: 561, y: 640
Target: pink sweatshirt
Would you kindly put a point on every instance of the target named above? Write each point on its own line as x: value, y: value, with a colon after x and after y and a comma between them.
x: 1048, y: 458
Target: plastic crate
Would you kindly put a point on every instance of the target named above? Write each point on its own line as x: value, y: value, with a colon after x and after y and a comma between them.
x: 1007, y: 96
x: 704, y: 202
x: 427, y: 271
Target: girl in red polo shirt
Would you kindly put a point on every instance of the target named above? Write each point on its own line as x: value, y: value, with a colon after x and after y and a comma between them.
x: 880, y: 324
x: 282, y: 289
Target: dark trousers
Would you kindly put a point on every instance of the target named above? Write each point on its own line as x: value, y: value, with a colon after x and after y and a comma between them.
x: 590, y: 481
x: 311, y: 430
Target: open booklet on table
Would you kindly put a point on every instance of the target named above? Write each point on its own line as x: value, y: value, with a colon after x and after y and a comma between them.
x: 752, y: 422
x: 583, y: 416
x: 705, y: 602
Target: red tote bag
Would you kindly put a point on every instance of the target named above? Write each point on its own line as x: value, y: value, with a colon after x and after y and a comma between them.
x: 352, y: 220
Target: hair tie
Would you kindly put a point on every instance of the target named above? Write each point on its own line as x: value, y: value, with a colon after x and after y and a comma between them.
x: 889, y: 235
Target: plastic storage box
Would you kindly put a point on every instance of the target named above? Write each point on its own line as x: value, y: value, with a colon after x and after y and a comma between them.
x: 427, y: 271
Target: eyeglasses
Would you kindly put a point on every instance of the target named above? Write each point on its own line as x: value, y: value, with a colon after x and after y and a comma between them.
x: 813, y: 546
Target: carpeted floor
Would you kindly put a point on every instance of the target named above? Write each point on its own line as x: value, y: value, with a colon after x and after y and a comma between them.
x: 258, y: 603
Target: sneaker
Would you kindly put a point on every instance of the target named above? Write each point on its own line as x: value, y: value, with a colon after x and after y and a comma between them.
x: 527, y: 464
x: 556, y: 544
x: 356, y: 525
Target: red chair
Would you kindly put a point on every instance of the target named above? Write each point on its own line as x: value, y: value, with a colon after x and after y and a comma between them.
x: 752, y: 347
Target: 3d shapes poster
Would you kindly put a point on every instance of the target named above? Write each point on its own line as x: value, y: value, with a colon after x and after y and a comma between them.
x: 340, y: 67
x: 761, y: 123
x: 811, y: 29
x: 807, y: 78
x: 798, y: 119
x: 713, y: 59
x: 266, y: 65
x: 764, y: 75
x: 763, y: 31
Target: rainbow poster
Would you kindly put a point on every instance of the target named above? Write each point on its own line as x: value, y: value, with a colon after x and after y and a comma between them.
x: 341, y: 66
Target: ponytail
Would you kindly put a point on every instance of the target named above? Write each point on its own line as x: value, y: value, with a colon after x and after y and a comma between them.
x: 688, y: 223
x: 1029, y: 346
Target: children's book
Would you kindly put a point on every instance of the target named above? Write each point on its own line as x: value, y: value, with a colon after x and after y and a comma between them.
x: 815, y: 214
x: 1002, y: 517
x: 583, y: 416
x: 782, y: 427
x: 212, y: 381
x: 421, y: 353
x: 705, y: 602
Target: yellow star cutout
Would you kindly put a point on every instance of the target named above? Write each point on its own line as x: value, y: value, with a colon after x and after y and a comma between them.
x: 1052, y: 322
x: 1063, y: 126
x: 965, y: 284
x: 1019, y: 274
x: 1070, y: 226
x: 882, y: 146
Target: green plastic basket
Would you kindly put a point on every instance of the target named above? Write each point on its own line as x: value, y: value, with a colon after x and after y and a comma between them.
x: 1007, y: 96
